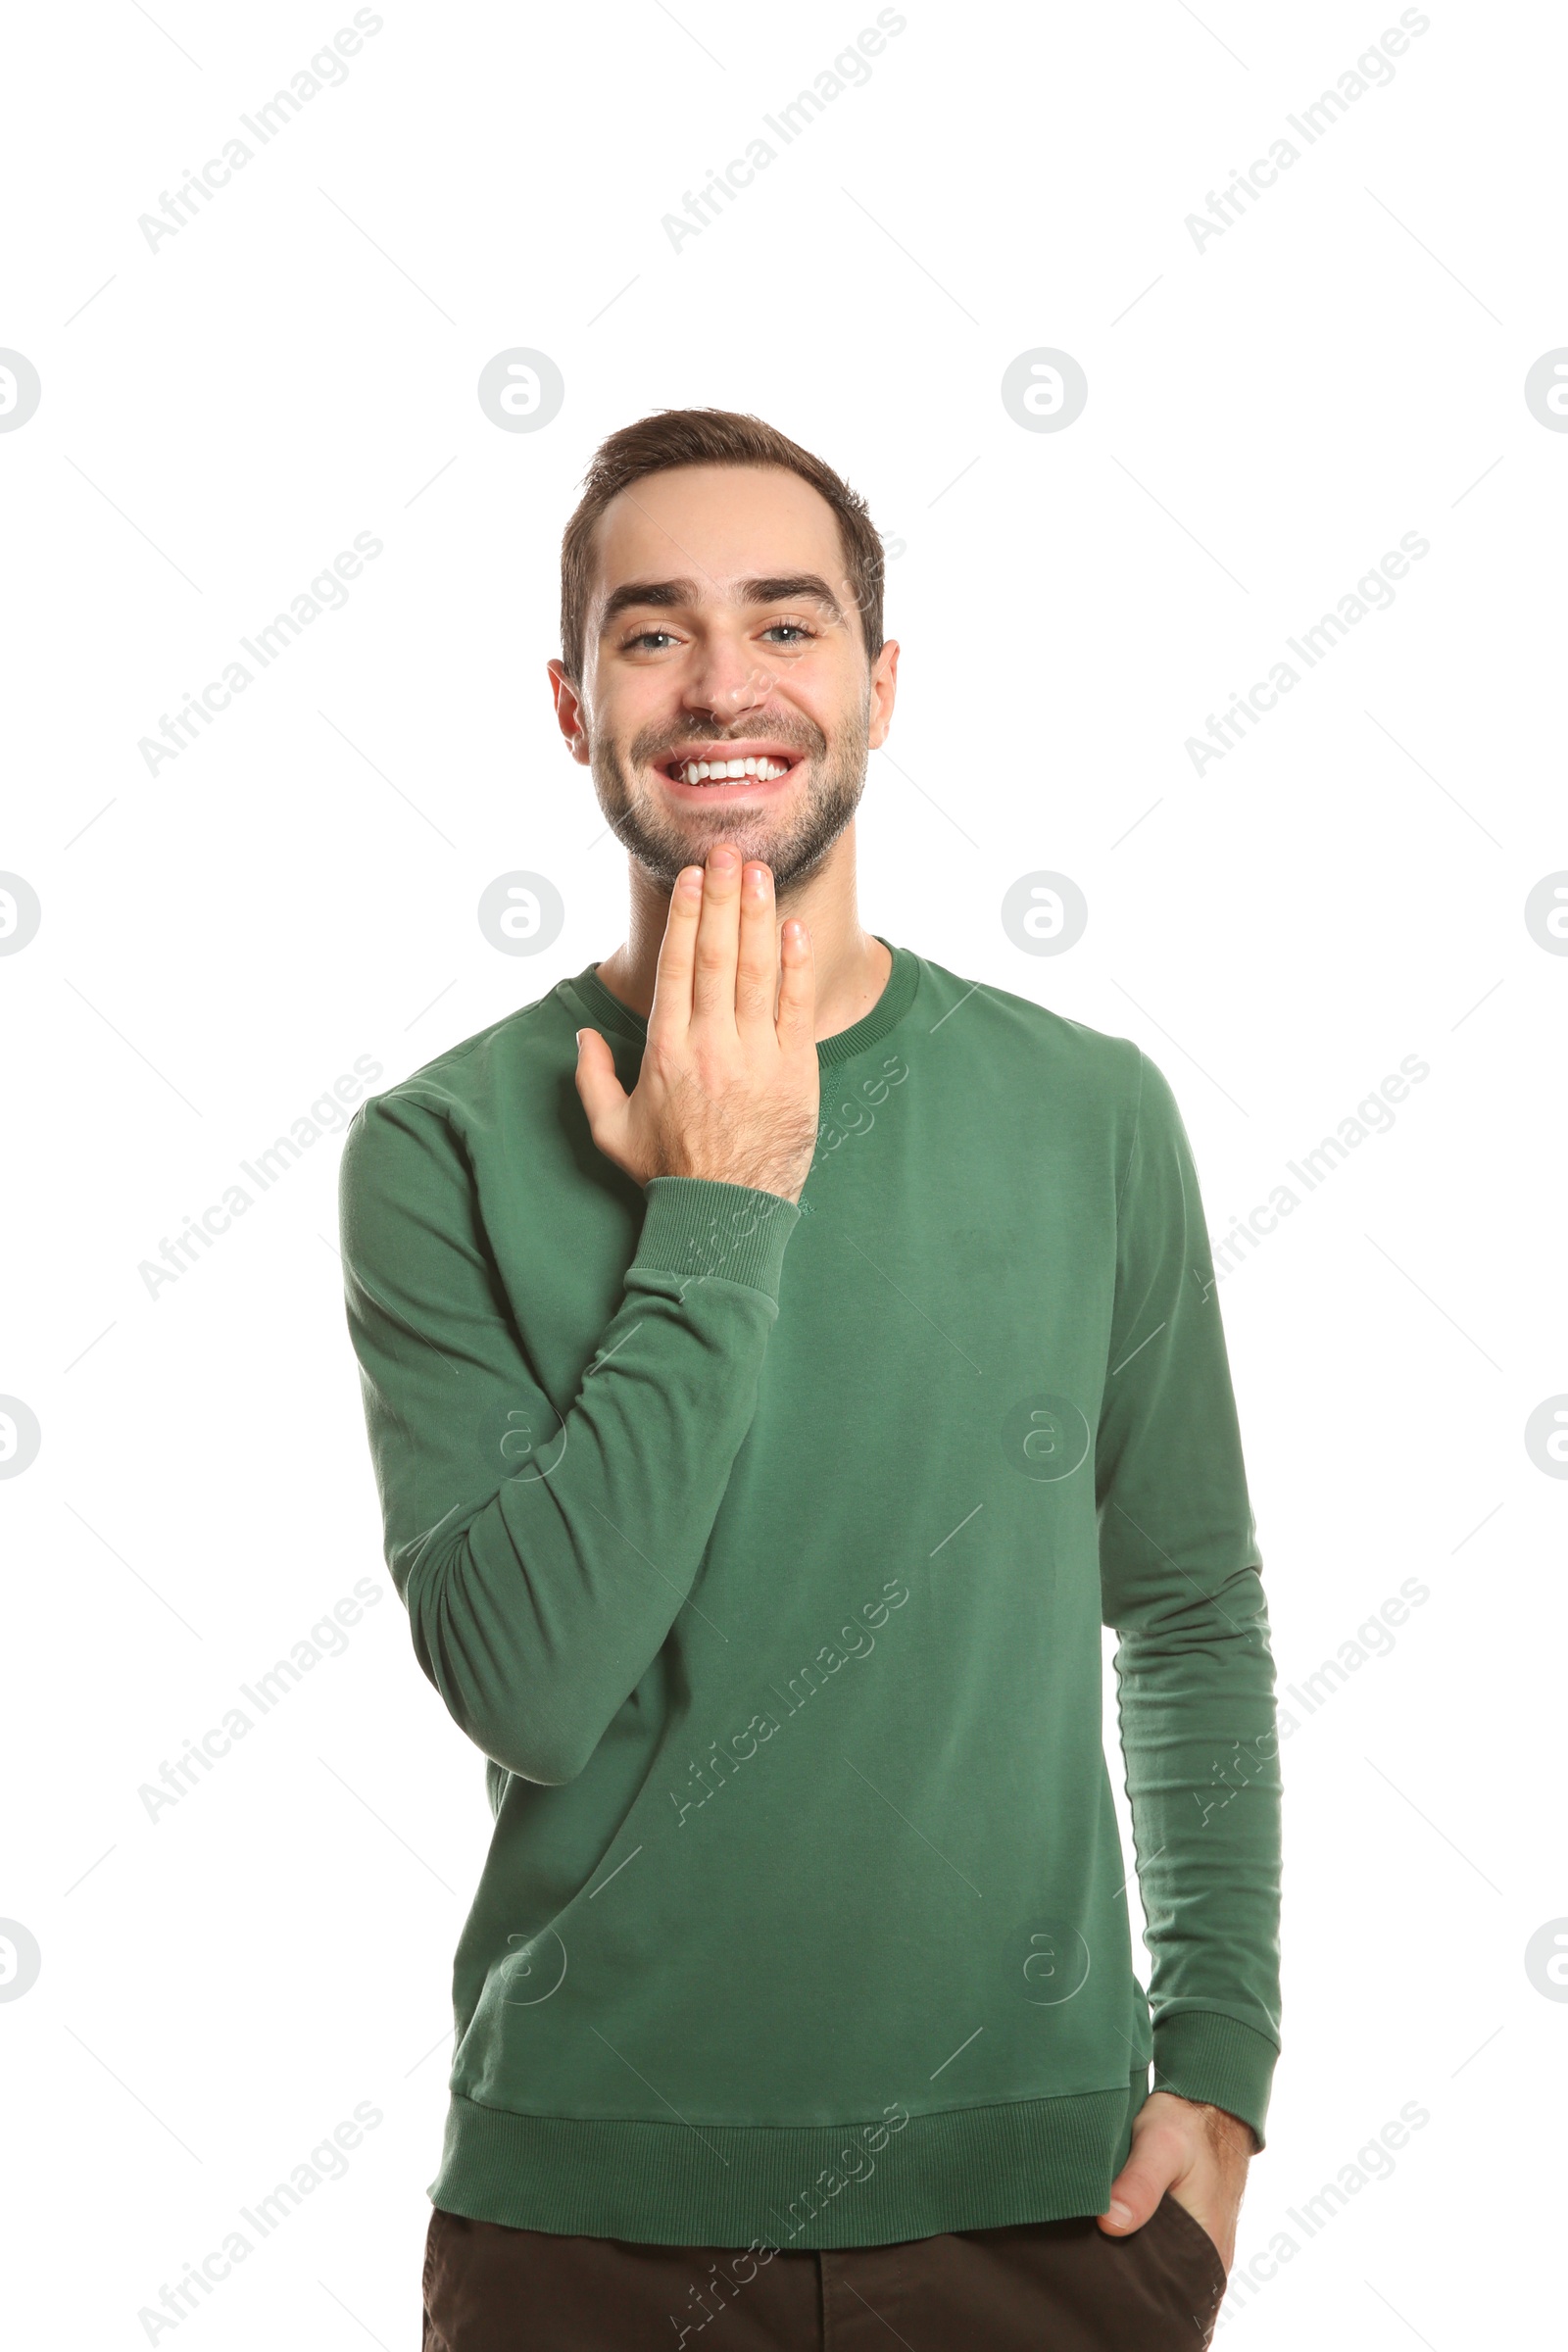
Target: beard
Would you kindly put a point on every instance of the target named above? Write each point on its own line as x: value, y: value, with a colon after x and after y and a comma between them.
x: 793, y: 843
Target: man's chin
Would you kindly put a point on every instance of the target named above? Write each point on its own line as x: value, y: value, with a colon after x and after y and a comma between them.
x: 789, y: 823
x: 664, y: 850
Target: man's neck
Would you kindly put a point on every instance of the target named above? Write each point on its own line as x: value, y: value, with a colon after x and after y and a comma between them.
x: 851, y: 964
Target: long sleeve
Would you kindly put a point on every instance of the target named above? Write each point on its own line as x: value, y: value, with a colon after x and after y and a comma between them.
x: 543, y: 1555
x: 1180, y: 1583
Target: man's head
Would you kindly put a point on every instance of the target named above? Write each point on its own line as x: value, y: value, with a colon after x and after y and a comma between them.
x: 721, y: 599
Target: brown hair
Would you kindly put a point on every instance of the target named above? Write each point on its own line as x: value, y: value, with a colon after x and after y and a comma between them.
x: 671, y: 437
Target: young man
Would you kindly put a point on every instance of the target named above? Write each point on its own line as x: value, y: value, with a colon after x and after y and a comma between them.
x: 780, y: 1357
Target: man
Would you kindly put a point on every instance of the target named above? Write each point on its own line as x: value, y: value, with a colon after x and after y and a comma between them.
x: 780, y: 1357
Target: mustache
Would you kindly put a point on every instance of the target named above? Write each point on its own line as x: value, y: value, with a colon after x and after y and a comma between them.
x: 653, y: 743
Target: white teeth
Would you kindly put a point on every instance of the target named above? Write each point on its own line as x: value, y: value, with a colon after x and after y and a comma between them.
x: 700, y: 771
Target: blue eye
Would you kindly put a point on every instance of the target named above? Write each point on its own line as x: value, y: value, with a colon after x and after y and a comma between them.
x: 794, y: 628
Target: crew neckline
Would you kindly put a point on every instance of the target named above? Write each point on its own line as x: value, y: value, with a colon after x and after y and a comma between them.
x: 891, y: 1004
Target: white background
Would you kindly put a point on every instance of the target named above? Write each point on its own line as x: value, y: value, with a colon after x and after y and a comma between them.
x: 1266, y: 416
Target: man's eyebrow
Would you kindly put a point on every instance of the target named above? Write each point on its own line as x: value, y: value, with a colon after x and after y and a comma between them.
x: 793, y: 588
x: 796, y: 587
x: 645, y: 592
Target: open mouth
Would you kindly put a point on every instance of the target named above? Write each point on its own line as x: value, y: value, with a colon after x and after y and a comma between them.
x: 742, y: 768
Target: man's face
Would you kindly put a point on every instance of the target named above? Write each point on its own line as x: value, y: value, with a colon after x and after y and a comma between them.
x: 722, y: 628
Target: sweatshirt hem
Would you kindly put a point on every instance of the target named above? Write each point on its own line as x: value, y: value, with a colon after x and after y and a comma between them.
x: 810, y: 2185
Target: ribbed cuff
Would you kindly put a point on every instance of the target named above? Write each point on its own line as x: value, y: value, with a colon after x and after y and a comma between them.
x: 1202, y: 2054
x: 718, y: 1232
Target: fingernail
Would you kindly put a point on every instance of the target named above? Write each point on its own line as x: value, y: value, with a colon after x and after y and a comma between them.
x: 1121, y: 2215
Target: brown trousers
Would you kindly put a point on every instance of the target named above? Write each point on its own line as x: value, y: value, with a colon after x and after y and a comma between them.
x: 1036, y: 2286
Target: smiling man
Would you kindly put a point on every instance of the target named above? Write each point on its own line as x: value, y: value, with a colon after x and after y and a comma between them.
x: 781, y: 1356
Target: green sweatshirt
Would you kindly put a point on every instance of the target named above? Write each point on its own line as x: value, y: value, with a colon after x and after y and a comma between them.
x: 763, y: 1551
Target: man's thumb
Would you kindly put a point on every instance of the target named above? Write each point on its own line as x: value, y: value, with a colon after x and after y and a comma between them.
x: 599, y: 1090
x: 1134, y: 2194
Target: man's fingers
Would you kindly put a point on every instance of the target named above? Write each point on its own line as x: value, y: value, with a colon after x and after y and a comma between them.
x: 757, y: 964
x: 797, y: 988
x: 718, y: 936
x: 670, y: 1013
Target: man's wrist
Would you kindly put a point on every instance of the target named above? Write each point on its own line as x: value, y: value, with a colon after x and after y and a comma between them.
x: 1209, y: 2055
x: 1225, y: 2129
x: 1228, y: 2131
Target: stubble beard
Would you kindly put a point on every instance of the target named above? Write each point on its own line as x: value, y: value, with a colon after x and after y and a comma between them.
x: 793, y: 844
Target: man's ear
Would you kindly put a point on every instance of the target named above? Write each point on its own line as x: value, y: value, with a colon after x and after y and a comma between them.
x: 884, y: 686
x: 570, y: 712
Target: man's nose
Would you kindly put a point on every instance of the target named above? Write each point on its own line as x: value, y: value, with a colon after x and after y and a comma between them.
x: 725, y: 681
